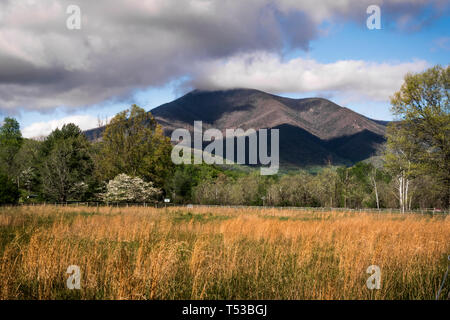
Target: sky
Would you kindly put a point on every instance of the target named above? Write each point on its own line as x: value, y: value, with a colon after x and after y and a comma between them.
x: 148, y: 52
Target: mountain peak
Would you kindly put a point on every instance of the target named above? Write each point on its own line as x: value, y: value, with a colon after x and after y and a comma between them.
x: 312, y: 130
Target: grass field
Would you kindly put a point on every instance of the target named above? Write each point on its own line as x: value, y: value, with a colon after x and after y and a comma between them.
x: 204, y: 253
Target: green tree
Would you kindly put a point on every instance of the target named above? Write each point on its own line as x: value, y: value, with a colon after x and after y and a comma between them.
x: 9, y: 193
x: 181, y: 185
x: 133, y: 143
x: 10, y: 143
x: 27, y: 167
x: 324, y: 187
x: 186, y: 177
x: 217, y: 191
x: 254, y: 188
x: 401, y: 162
x: 344, y: 183
x: 419, y: 143
x: 292, y: 190
x: 67, y: 165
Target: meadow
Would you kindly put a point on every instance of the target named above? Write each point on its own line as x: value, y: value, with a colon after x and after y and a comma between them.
x: 219, y: 253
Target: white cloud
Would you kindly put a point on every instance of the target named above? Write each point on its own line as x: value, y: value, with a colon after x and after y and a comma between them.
x: 126, y: 45
x: 355, y: 80
x: 40, y: 129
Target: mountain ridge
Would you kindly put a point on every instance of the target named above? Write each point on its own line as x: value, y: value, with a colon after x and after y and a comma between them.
x: 317, y: 130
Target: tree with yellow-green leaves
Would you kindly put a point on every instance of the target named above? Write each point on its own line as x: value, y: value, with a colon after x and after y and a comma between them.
x: 419, y: 142
x: 134, y: 144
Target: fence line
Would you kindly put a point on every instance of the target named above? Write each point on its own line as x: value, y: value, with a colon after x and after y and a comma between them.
x: 189, y: 206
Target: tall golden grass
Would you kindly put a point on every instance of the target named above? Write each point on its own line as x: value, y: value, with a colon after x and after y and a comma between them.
x: 220, y: 253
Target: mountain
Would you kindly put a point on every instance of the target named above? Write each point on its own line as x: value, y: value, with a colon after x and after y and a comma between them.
x: 313, y: 131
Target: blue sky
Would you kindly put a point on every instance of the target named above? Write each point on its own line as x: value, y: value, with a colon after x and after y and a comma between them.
x: 351, y: 41
x: 424, y: 40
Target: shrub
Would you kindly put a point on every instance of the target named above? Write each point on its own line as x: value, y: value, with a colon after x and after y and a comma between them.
x: 124, y: 188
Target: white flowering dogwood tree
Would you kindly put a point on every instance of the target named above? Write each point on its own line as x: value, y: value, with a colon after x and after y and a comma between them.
x: 124, y: 188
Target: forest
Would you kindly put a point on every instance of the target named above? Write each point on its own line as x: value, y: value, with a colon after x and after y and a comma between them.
x: 132, y: 163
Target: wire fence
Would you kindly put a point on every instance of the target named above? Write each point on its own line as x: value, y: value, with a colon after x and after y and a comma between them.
x: 192, y: 206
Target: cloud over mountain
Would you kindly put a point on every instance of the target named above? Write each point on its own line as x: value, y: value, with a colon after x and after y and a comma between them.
x: 126, y: 45
x: 355, y: 80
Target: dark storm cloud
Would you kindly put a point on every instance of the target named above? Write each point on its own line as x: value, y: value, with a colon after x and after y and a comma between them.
x: 126, y: 45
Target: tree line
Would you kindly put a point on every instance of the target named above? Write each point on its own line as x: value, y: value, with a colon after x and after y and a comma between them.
x: 132, y: 163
